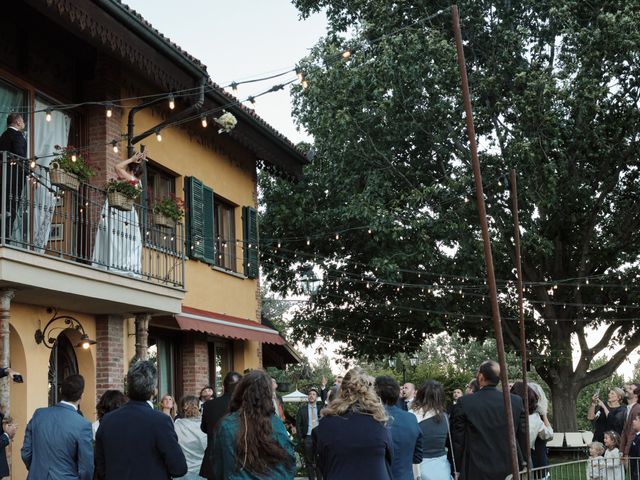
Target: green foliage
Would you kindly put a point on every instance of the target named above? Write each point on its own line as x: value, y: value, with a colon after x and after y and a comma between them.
x: 553, y: 91
x: 68, y: 159
x: 128, y: 188
x: 171, y: 206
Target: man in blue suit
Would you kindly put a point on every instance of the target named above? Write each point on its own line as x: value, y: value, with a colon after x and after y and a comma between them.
x: 58, y: 440
x: 135, y: 441
x: 403, y: 426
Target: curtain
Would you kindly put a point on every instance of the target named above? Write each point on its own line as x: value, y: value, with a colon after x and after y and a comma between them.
x: 14, y: 100
x: 47, y: 135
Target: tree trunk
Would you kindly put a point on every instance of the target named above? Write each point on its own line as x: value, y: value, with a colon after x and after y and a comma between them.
x: 563, y: 399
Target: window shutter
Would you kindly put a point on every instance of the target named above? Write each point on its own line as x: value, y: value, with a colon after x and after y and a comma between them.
x: 209, y: 226
x: 200, y: 222
x: 194, y: 193
x: 250, y: 237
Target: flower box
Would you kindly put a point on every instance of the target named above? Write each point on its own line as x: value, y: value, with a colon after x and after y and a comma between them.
x: 119, y: 201
x: 163, y: 220
x: 63, y: 179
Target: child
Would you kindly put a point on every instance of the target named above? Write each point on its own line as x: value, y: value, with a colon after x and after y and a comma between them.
x: 612, y: 456
x: 595, y: 467
x: 634, y: 450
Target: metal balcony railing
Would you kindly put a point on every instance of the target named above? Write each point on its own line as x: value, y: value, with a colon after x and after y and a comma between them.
x: 79, y: 226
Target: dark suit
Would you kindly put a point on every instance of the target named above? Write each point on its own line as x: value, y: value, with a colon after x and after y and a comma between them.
x: 212, y: 412
x: 479, y: 434
x: 634, y: 453
x: 135, y: 441
x: 58, y: 444
x: 13, y: 141
x: 628, y: 435
x: 302, y: 428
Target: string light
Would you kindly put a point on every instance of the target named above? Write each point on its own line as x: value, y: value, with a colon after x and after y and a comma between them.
x: 74, y: 157
x: 158, y: 136
x: 109, y: 111
x: 172, y: 101
x: 204, y: 121
x: 114, y: 143
x: 48, y: 115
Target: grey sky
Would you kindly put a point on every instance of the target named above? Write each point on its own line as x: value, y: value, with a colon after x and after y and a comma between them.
x: 239, y: 40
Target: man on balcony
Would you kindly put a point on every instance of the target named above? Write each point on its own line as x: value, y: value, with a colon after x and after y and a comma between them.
x: 13, y: 141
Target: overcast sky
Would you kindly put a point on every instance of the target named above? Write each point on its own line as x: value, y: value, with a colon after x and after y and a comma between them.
x: 239, y: 40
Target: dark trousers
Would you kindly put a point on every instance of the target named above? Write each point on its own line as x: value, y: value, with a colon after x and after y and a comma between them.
x: 310, y: 459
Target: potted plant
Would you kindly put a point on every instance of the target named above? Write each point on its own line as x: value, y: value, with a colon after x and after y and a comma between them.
x: 122, y: 193
x: 168, y: 211
x: 68, y: 168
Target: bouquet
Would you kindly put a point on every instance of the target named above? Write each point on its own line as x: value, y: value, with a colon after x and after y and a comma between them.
x: 227, y: 121
x: 129, y: 188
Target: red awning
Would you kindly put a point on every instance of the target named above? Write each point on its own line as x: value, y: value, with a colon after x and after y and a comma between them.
x: 226, y: 326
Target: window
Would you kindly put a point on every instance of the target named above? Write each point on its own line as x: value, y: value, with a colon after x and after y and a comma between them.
x: 162, y: 352
x: 224, y: 215
x: 220, y: 363
x: 160, y: 184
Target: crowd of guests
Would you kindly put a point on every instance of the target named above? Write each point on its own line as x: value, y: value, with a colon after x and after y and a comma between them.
x: 360, y: 427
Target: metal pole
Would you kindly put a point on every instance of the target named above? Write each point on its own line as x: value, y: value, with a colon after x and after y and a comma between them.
x: 523, y: 347
x: 488, y: 259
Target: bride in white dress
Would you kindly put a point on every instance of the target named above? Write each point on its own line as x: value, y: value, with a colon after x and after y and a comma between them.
x: 118, y: 244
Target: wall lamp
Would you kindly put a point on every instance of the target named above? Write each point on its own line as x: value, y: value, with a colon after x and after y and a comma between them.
x: 44, y: 335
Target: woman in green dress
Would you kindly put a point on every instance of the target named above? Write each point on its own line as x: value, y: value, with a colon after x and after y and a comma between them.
x: 252, y: 442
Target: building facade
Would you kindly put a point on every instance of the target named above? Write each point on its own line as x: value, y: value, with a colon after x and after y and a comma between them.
x: 94, y: 75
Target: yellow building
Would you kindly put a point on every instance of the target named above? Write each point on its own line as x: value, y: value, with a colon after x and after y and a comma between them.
x: 96, y: 76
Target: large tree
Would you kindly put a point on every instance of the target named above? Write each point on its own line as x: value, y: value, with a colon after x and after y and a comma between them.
x: 386, y: 212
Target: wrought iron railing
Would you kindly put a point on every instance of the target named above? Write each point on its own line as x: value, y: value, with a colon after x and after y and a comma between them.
x: 80, y: 226
x: 591, y: 469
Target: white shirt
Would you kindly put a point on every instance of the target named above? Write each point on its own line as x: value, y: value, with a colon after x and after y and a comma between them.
x: 75, y: 407
x: 537, y: 428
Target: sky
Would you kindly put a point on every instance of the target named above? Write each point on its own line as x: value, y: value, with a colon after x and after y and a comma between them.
x: 245, y: 39
x: 240, y: 40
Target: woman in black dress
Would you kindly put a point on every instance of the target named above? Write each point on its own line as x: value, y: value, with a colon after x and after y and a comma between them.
x: 607, y: 416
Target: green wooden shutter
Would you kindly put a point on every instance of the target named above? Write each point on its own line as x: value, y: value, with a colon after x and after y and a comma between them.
x: 250, y: 240
x: 200, y: 220
x: 209, y: 226
x: 194, y: 193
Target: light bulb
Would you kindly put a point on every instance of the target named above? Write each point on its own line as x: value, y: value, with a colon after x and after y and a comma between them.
x: 86, y: 345
x: 346, y: 54
x: 158, y: 136
x: 172, y: 102
x: 204, y: 121
x: 109, y: 111
x: 73, y: 157
x: 115, y: 148
x: 33, y: 164
x: 48, y: 116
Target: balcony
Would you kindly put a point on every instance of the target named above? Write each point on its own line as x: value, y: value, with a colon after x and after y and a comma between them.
x: 70, y: 249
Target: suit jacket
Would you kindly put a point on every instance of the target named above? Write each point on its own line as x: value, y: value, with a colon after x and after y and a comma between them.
x: 13, y: 141
x: 135, y: 441
x: 406, y: 437
x: 479, y: 434
x: 302, y: 419
x: 58, y: 443
x: 627, y: 436
x: 212, y: 412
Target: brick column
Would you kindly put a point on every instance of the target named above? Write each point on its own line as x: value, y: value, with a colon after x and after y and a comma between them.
x: 5, y: 355
x: 195, y: 363
x: 109, y: 353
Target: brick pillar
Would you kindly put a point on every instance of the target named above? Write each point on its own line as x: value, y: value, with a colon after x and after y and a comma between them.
x: 102, y: 130
x: 195, y: 363
x: 5, y: 355
x: 109, y: 353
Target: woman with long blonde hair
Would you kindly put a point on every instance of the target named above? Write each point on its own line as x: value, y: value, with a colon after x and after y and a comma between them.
x: 351, y: 439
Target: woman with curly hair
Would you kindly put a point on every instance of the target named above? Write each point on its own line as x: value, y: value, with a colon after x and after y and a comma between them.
x: 252, y: 442
x: 109, y: 401
x: 351, y: 439
x: 428, y: 407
